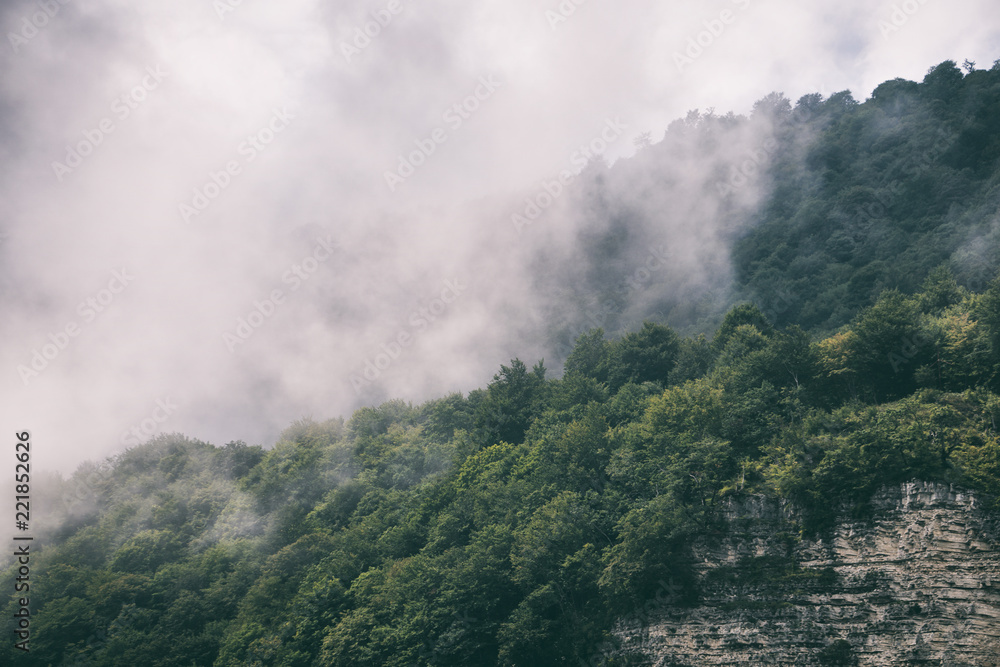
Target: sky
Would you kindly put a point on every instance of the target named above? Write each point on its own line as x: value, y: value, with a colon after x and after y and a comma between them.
x: 220, y: 216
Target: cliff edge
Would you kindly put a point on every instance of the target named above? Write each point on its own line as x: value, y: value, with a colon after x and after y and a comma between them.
x: 917, y: 582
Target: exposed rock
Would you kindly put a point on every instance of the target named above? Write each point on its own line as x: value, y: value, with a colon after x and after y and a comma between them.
x: 917, y: 583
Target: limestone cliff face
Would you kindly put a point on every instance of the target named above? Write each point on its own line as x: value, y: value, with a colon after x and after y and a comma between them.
x: 917, y: 583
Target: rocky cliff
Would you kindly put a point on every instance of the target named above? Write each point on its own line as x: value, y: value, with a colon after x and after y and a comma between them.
x: 917, y: 582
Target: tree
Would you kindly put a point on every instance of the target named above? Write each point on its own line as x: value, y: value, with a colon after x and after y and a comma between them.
x: 786, y: 361
x: 775, y: 107
x: 512, y: 401
x: 444, y: 416
x: 643, y: 141
x: 942, y: 81
x: 960, y: 353
x: 939, y: 291
x: 146, y: 552
x: 589, y: 356
x: 647, y: 355
x: 835, y: 362
x: 887, y: 346
x: 743, y: 314
x: 840, y: 104
x: 694, y: 359
x: 237, y: 458
x: 894, y: 91
x: 807, y: 106
x: 987, y: 311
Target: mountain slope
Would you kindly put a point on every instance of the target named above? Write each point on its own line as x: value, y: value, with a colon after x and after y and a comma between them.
x: 517, y: 524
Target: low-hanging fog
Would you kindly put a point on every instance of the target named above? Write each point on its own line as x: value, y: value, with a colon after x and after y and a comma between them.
x: 199, y: 233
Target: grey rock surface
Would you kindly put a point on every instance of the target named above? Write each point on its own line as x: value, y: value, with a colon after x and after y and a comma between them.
x: 915, y: 583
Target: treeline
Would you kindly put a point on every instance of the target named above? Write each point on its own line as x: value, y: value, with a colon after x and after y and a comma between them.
x: 808, y: 208
x: 816, y: 204
x: 875, y: 196
x: 513, y: 525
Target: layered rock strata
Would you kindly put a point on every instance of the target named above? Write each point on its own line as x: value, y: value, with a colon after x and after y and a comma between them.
x: 917, y: 582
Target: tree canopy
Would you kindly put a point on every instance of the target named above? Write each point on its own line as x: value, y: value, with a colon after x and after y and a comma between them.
x: 512, y: 525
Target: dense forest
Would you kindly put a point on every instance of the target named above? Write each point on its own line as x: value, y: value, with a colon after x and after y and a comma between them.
x: 808, y: 209
x: 513, y: 525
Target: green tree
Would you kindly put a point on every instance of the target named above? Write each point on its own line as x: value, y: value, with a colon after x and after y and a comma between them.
x: 589, y: 356
x: 887, y: 346
x: 743, y: 314
x: 647, y: 355
x: 512, y: 401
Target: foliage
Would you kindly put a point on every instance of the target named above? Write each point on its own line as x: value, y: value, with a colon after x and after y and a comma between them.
x: 513, y: 525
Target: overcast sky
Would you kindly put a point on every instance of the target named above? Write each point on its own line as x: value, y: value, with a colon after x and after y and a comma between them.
x: 170, y: 167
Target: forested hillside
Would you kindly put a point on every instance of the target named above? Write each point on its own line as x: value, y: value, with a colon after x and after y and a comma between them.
x: 889, y: 190
x: 514, y: 524
x: 820, y: 204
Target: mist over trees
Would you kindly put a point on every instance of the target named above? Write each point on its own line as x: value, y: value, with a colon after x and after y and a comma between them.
x: 808, y: 209
x: 857, y: 345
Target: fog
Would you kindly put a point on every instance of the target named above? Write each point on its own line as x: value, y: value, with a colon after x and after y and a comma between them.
x: 220, y: 217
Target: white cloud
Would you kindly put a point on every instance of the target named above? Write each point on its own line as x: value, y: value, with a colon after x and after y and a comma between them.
x: 324, y: 175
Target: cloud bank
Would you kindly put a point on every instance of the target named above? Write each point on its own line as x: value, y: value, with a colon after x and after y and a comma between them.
x: 222, y: 216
